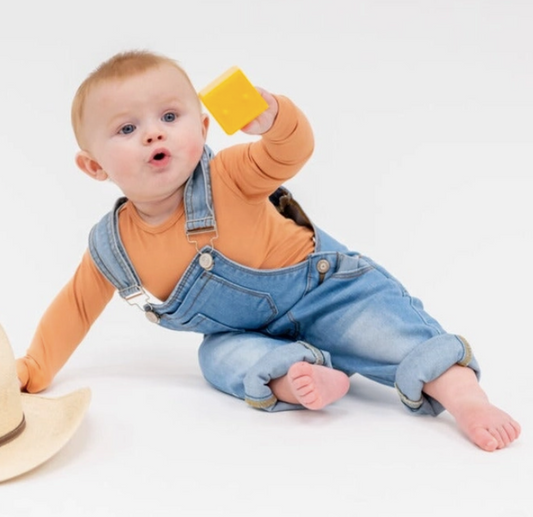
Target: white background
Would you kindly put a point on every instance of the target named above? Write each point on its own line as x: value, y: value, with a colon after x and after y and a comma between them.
x: 422, y: 112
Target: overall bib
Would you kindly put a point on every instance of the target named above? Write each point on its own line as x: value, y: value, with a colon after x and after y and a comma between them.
x: 336, y: 308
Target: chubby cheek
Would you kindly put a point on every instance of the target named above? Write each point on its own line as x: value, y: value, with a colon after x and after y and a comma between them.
x: 117, y: 159
x: 195, y: 149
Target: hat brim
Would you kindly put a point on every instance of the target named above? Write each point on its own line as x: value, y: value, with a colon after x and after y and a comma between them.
x: 50, y: 423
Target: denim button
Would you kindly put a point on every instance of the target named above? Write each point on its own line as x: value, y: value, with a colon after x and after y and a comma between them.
x: 152, y: 317
x: 322, y: 266
x: 206, y: 261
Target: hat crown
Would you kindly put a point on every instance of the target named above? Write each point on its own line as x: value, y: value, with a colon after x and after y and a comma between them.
x: 10, y: 400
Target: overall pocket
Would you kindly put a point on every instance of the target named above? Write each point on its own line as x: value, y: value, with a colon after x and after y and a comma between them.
x: 221, y: 305
x: 351, y: 266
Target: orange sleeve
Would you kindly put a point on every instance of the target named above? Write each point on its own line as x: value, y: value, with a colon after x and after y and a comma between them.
x: 64, y: 325
x: 275, y: 158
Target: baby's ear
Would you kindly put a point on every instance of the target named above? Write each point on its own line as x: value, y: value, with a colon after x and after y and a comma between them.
x: 90, y: 166
x: 205, y: 125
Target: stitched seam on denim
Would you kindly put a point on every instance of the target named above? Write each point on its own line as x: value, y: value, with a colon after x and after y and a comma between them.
x: 431, y: 325
x: 316, y: 238
x: 118, y: 251
x: 413, y: 404
x: 100, y: 264
x: 236, y: 287
x: 206, y: 201
x: 178, y: 289
x: 319, y: 357
x: 98, y: 261
x: 296, y: 324
x: 188, y: 196
x: 206, y: 156
x: 261, y: 404
x: 255, y: 272
x: 311, y: 273
x: 354, y: 274
x: 249, y: 292
x: 203, y: 221
x: 219, y: 257
x: 405, y: 293
x: 468, y: 354
x: 202, y: 318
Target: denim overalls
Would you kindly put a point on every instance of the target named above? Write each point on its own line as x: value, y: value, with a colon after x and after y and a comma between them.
x: 337, y: 308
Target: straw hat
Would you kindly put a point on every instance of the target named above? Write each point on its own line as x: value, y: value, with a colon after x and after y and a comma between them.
x: 32, y: 428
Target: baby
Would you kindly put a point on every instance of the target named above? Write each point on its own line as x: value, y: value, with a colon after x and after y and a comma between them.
x: 212, y: 243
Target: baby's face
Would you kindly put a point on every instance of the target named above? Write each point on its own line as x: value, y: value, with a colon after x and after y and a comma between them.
x: 147, y: 132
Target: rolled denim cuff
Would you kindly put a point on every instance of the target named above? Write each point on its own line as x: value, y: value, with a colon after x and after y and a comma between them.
x: 276, y: 364
x: 425, y: 363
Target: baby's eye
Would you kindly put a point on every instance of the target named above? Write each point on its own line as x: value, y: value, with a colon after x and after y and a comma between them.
x: 169, y: 117
x: 127, y: 129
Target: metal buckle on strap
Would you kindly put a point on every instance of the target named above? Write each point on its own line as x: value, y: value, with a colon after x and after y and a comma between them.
x: 199, y: 231
x: 139, y: 298
x: 204, y: 229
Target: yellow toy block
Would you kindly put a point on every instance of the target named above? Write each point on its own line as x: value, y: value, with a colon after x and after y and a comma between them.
x: 232, y: 100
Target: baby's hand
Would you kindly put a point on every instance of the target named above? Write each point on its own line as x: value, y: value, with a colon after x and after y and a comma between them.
x: 263, y: 122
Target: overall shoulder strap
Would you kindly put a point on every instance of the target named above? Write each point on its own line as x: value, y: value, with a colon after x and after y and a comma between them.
x: 109, y: 255
x: 198, y: 198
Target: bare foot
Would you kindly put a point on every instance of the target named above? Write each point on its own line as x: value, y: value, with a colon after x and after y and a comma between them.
x: 313, y: 386
x: 487, y: 426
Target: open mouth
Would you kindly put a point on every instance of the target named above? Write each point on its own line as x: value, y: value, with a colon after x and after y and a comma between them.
x: 160, y: 157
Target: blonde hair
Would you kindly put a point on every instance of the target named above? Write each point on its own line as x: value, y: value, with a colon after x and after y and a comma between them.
x: 120, y: 66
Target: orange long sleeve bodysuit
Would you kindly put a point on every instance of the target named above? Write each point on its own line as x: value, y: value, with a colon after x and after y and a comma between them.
x: 250, y: 231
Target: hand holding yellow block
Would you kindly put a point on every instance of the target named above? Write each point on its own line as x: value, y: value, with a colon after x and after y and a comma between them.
x: 232, y: 100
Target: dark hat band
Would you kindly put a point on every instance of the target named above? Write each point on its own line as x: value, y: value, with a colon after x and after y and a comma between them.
x: 13, y: 434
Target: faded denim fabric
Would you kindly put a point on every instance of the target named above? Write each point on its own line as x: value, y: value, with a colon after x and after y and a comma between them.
x: 337, y: 308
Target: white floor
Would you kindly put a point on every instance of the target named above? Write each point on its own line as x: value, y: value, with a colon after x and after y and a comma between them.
x: 422, y: 114
x: 157, y: 440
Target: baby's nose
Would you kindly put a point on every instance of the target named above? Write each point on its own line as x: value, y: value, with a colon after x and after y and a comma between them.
x: 153, y: 137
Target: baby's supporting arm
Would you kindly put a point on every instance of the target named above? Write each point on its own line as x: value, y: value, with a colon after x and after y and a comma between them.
x: 63, y: 326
